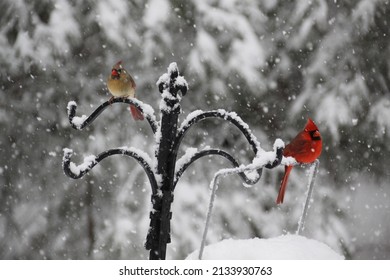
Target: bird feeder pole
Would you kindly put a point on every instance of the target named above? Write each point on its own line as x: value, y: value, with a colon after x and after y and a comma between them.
x: 164, y: 177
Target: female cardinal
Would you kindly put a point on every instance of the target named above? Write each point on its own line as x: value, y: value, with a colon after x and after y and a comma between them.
x: 306, y: 147
x: 121, y: 84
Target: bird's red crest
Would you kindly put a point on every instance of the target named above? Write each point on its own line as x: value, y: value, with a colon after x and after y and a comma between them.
x: 310, y: 125
x: 117, y: 65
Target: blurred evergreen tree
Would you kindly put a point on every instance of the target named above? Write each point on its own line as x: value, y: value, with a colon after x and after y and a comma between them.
x: 273, y: 62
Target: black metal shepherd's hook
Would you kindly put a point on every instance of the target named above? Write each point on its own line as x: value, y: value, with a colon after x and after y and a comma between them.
x: 164, y: 177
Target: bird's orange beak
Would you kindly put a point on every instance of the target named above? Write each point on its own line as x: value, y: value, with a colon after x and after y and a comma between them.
x: 316, y: 134
x: 114, y: 72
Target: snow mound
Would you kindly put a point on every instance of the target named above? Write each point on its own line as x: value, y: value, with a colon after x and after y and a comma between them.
x: 286, y: 247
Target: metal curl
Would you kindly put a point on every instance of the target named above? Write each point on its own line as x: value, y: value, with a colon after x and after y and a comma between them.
x: 208, y: 152
x: 222, y: 114
x: 232, y: 118
x: 172, y: 81
x: 76, y: 172
x: 82, y: 122
x: 278, y: 159
x: 162, y: 176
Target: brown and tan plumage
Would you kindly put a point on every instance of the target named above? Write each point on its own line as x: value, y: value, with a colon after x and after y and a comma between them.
x: 121, y: 84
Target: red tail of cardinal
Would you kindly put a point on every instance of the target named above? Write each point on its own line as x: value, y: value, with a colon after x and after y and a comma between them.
x: 282, y: 190
x: 306, y: 147
x: 137, y: 115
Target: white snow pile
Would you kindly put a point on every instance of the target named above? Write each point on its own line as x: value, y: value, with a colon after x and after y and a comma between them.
x: 77, y: 121
x: 286, y: 247
x: 89, y: 161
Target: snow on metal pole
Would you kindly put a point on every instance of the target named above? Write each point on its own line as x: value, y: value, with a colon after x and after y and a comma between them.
x: 310, y: 184
x: 169, y: 85
x: 214, y: 183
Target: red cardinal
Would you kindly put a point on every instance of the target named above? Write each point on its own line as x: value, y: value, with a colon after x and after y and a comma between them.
x: 306, y: 147
x: 121, y: 84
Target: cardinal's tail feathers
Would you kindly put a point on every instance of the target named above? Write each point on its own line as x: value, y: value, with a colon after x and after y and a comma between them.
x: 137, y: 115
x: 283, y: 185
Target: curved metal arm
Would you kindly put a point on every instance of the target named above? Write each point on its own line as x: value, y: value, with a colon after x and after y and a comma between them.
x: 278, y: 149
x: 76, y: 172
x: 222, y: 153
x: 241, y: 125
x: 222, y: 114
x: 80, y: 122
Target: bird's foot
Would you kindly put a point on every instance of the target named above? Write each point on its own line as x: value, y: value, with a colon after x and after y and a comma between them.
x: 110, y: 100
